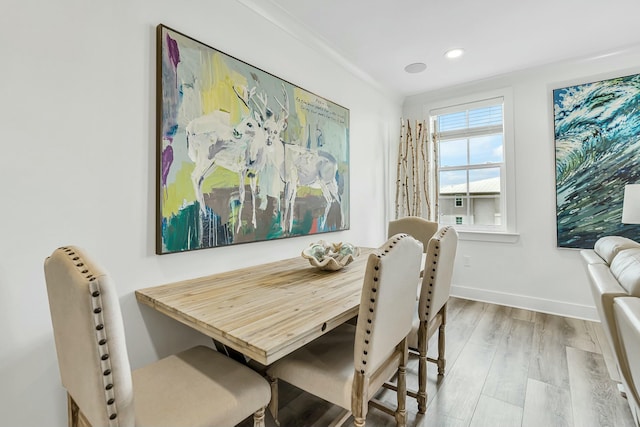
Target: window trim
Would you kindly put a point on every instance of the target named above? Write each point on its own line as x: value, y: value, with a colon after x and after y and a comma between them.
x: 507, y: 186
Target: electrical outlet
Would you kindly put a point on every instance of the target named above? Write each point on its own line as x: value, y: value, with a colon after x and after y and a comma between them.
x: 467, y: 261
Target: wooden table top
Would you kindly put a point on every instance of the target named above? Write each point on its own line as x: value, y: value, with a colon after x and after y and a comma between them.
x: 264, y: 311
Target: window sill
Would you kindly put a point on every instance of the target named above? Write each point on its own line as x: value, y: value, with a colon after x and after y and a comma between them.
x: 488, y: 236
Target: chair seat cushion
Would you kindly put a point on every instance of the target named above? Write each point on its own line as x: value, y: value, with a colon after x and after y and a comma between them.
x: 324, y: 365
x: 198, y: 387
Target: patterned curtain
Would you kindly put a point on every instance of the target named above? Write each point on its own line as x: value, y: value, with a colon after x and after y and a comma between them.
x: 416, y: 177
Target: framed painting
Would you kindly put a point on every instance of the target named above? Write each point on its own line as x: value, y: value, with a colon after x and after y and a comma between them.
x: 243, y: 156
x: 597, y: 149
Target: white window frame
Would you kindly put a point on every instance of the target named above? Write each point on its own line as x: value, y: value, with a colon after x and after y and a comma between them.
x: 507, y: 232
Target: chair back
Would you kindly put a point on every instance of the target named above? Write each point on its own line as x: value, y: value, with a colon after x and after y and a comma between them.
x: 89, y: 337
x: 438, y: 270
x: 388, y: 300
x: 415, y: 226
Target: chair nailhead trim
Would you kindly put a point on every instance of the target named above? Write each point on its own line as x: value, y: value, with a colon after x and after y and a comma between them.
x: 101, y: 337
x: 436, y: 253
x: 372, y: 299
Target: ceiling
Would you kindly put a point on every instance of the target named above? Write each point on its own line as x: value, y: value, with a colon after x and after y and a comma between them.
x: 376, y: 39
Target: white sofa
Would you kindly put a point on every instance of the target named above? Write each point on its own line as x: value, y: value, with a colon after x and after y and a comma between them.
x: 613, y: 268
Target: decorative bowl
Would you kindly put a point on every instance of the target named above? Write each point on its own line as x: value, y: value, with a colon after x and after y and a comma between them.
x: 330, y: 256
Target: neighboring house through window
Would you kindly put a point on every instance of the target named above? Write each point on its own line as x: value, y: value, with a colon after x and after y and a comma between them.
x: 473, y: 150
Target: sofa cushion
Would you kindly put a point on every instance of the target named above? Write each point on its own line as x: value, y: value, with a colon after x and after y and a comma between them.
x: 609, y: 246
x: 626, y: 269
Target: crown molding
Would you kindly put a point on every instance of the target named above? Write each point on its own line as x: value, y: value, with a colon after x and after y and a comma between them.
x: 282, y: 19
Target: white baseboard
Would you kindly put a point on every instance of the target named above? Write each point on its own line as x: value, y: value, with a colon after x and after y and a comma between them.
x: 542, y: 305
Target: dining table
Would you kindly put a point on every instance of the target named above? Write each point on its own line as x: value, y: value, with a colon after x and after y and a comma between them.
x: 265, y: 311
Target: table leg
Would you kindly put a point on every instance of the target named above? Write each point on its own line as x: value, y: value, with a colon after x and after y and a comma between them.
x: 234, y: 354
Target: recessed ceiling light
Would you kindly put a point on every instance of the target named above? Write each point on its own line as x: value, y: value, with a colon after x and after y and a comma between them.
x: 416, y: 67
x: 454, y: 53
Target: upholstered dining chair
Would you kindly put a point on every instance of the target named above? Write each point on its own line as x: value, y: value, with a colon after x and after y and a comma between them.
x: 415, y: 226
x: 431, y: 313
x: 347, y: 365
x: 197, y: 387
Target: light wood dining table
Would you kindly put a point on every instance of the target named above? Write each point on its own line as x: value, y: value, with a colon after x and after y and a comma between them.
x: 264, y: 311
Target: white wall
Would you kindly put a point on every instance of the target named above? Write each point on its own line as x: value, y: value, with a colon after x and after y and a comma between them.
x: 532, y: 272
x: 78, y: 166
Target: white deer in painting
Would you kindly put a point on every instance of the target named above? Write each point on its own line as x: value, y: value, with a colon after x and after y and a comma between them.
x: 213, y: 142
x: 298, y: 166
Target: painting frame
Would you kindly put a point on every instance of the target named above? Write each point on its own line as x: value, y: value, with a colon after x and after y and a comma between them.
x: 597, y: 152
x: 242, y: 155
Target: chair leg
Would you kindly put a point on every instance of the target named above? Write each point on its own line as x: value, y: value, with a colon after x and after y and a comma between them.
x: 359, y: 399
x: 441, y: 360
x: 258, y: 418
x: 441, y: 341
x: 401, y: 412
x: 423, y: 345
x: 422, y: 383
x: 73, y: 411
x: 76, y: 417
x: 273, y: 403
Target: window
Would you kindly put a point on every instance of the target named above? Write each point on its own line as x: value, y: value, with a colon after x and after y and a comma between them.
x: 471, y: 164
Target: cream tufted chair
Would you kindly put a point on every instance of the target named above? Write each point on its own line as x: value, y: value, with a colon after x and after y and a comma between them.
x: 197, y: 387
x: 431, y: 314
x: 415, y: 226
x: 349, y: 364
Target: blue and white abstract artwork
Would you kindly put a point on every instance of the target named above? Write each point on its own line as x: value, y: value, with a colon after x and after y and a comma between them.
x: 597, y: 144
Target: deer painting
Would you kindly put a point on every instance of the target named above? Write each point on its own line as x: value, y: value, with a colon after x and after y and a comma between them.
x: 298, y: 167
x: 213, y: 142
x: 243, y: 156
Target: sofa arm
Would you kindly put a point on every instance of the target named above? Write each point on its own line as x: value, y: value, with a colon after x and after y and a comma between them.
x: 605, y: 289
x: 603, y: 281
x: 589, y: 256
x: 627, y: 312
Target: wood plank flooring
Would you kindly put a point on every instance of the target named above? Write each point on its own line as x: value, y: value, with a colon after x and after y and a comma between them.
x: 505, y: 367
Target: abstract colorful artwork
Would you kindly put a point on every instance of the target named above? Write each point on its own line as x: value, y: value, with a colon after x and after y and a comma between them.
x: 243, y: 156
x: 597, y: 144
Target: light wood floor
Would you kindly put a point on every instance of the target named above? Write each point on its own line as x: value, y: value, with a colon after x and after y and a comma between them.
x: 505, y: 367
